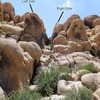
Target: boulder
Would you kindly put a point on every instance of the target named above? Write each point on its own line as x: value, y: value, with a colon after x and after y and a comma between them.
x: 77, y: 30
x: 89, y: 32
x: 11, y: 23
x: 71, y: 61
x: 11, y: 31
x: 86, y: 27
x: 16, y: 66
x: 21, y: 24
x: 65, y: 86
x: 71, y: 58
x: 72, y: 47
x: 6, y: 17
x: 68, y: 22
x: 80, y: 73
x: 96, y: 30
x: 2, y: 94
x: 89, y: 19
x: 45, y: 59
x: 80, y: 48
x: 95, y: 39
x: 47, y: 51
x: 23, y: 17
x: 60, y: 59
x: 33, y: 88
x: 63, y: 49
x: 1, y: 12
x: 86, y: 45
x: 16, y: 19
x: 33, y: 49
x: 34, y: 27
x: 57, y: 28
x: 85, y: 55
x: 79, y: 61
x: 8, y: 9
x: 64, y: 33
x: 91, y: 81
x: 96, y: 22
x: 96, y: 95
x: 60, y: 40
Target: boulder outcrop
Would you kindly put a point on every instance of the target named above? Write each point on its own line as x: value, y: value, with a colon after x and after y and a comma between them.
x: 68, y: 22
x: 16, y: 65
x: 96, y: 22
x: 57, y: 28
x: 77, y: 30
x: 89, y: 19
x: 60, y: 39
x: 33, y: 49
x: 8, y: 11
x: 34, y: 30
x: 91, y: 81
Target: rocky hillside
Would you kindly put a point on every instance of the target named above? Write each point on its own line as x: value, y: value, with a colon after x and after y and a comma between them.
x: 34, y: 67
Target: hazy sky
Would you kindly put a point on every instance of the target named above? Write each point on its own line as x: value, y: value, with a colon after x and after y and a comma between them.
x: 47, y: 10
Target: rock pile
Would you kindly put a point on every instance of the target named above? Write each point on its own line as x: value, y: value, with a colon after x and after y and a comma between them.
x: 74, y: 36
x: 17, y: 63
x: 75, y: 44
x: 28, y: 27
x: 20, y: 40
x: 25, y: 53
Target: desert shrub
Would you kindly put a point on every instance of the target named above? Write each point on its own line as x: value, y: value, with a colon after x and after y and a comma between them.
x: 65, y: 69
x: 89, y: 67
x: 81, y: 94
x: 47, y: 80
x: 83, y: 72
x: 24, y: 95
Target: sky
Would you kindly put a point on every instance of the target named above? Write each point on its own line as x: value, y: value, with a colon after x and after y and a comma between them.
x: 48, y: 12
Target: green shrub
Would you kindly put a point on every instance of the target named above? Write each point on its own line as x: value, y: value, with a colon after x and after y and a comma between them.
x: 65, y: 69
x: 47, y: 80
x: 24, y: 95
x: 90, y: 67
x: 81, y: 94
x: 83, y: 72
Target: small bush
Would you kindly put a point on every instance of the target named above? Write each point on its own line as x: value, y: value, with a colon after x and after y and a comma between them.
x: 81, y: 94
x: 83, y: 72
x: 24, y: 95
x: 65, y: 69
x: 47, y: 80
x: 90, y: 67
